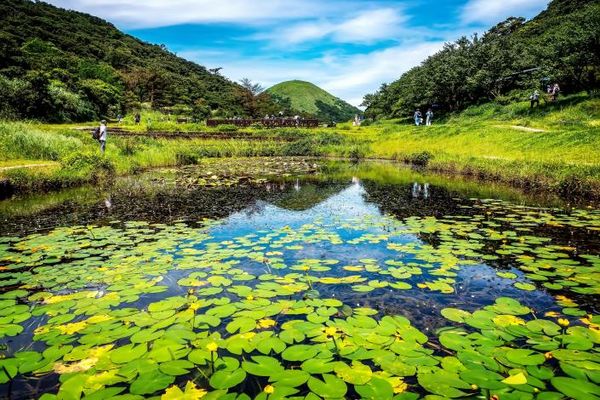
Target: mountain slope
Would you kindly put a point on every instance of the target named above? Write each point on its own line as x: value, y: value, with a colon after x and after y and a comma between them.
x: 561, y: 45
x: 308, y: 99
x: 64, y: 65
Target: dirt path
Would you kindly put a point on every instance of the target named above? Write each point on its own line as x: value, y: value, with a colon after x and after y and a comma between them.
x: 27, y: 166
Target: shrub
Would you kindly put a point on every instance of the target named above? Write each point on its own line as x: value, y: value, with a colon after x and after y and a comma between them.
x: 227, y: 128
x: 128, y: 148
x: 303, y: 147
x: 186, y: 157
x: 421, y: 159
x: 356, y: 153
x: 87, y: 166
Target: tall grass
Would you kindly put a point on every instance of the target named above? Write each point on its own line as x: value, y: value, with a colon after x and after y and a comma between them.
x: 22, y: 141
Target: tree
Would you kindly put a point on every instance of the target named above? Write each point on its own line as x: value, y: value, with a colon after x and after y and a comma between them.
x: 253, y: 88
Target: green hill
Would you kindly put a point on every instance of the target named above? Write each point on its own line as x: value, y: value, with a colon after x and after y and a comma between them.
x: 58, y: 65
x: 308, y: 99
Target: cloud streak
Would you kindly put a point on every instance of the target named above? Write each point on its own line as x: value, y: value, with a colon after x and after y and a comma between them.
x: 135, y: 14
x: 493, y: 11
x: 366, y: 27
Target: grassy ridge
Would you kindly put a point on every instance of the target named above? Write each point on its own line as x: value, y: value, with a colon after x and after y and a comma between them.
x: 553, y: 148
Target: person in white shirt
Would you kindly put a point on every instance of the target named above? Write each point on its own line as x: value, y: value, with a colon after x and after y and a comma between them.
x: 103, y: 136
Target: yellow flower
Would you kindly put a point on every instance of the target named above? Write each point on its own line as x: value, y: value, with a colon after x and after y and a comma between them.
x: 474, y: 387
x: 563, y: 322
x: 269, y: 389
x: 551, y: 314
x: 266, y: 323
x: 194, y: 306
x: 250, y: 298
x: 548, y: 355
x: 330, y: 331
x: 398, y: 385
x: 212, y: 347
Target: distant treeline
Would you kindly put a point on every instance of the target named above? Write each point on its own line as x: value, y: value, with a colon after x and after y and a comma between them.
x: 561, y: 45
x: 58, y: 65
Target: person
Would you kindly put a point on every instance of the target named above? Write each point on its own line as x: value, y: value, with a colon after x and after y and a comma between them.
x: 418, y: 117
x: 138, y: 118
x: 429, y: 116
x: 103, y: 136
x: 119, y: 118
x: 555, y: 91
x: 535, y: 98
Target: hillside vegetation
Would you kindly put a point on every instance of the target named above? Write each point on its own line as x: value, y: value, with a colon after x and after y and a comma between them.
x: 553, y: 148
x: 58, y: 65
x: 310, y: 100
x: 561, y: 45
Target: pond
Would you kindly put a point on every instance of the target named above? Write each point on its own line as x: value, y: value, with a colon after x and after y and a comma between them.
x: 301, y: 279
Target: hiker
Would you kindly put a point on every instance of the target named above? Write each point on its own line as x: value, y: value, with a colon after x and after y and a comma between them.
x: 429, y: 116
x: 418, y: 117
x: 138, y: 118
x: 103, y: 135
x: 555, y: 91
x: 535, y: 99
x: 119, y: 118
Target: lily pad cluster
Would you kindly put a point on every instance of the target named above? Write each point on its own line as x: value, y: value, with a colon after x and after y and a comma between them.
x: 187, y: 311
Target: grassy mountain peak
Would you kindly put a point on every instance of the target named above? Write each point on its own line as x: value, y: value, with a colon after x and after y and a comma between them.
x: 308, y: 99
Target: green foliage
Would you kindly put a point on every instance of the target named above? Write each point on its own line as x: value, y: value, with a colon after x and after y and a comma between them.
x: 58, y: 65
x: 308, y: 99
x: 420, y: 159
x: 227, y: 128
x: 19, y: 140
x: 506, y: 64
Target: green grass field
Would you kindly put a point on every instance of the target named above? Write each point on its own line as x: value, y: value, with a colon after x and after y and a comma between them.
x: 551, y: 148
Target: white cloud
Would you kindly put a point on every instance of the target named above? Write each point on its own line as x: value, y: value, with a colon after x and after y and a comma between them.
x: 157, y: 13
x: 493, y: 11
x: 349, y: 77
x: 366, y: 27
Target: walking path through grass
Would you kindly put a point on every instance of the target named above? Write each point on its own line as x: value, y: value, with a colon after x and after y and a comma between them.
x: 4, y: 167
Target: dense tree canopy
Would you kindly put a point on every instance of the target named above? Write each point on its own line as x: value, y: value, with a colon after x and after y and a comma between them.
x: 561, y: 45
x: 59, y: 65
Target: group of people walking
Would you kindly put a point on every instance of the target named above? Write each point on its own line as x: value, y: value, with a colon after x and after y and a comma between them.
x: 551, y: 90
x: 419, y: 117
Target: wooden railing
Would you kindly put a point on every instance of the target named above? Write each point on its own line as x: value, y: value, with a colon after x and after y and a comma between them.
x: 267, y: 123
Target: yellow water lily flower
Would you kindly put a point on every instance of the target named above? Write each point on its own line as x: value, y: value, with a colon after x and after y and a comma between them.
x: 266, y: 323
x: 269, y: 389
x: 551, y: 314
x: 212, y: 347
x: 563, y: 322
x: 398, y: 385
x: 330, y: 330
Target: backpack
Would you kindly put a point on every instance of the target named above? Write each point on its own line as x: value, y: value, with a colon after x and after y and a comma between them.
x: 96, y: 133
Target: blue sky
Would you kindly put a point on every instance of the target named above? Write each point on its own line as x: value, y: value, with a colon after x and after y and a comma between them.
x: 348, y: 47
